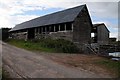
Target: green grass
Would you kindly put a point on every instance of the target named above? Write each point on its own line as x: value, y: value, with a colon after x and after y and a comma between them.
x: 29, y: 45
x: 112, y: 66
x: 46, y: 45
x: 5, y: 74
x: 49, y: 45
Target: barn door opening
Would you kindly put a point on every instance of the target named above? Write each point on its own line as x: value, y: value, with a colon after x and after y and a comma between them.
x: 31, y: 33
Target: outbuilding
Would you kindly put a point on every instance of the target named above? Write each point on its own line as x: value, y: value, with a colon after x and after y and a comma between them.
x: 72, y: 24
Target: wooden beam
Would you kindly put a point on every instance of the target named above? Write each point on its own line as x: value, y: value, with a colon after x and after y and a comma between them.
x: 54, y: 28
x: 65, y: 27
x: 59, y: 27
x: 72, y: 27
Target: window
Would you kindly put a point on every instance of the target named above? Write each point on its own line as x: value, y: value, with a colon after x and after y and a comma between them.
x: 68, y: 26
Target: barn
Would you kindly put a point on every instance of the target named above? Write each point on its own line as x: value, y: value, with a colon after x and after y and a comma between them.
x: 101, y: 34
x: 72, y: 24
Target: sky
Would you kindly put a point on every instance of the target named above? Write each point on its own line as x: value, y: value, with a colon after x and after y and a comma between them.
x: 14, y: 12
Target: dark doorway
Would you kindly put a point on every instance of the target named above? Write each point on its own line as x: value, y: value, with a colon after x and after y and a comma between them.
x: 31, y: 33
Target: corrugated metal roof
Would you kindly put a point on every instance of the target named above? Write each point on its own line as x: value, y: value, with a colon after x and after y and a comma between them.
x: 67, y: 15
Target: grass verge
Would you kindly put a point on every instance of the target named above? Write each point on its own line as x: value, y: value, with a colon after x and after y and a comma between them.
x: 46, y: 45
x: 112, y: 66
x: 5, y: 74
x: 49, y: 45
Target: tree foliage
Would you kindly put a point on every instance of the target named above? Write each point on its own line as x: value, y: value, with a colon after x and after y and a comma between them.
x: 4, y: 33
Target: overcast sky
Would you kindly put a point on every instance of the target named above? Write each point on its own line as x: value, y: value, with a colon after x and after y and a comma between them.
x: 13, y: 12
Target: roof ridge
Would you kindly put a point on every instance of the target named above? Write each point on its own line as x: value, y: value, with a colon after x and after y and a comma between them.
x: 54, y: 13
x: 66, y: 15
x: 98, y: 24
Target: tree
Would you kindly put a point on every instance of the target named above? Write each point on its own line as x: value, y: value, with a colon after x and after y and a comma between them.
x: 4, y: 34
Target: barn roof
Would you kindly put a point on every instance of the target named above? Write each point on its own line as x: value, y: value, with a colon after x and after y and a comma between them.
x: 97, y: 25
x: 67, y: 15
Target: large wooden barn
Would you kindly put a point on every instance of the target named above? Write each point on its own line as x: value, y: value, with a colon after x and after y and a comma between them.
x: 73, y: 24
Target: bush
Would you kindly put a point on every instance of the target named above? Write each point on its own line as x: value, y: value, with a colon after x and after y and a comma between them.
x: 58, y: 45
x: 4, y: 34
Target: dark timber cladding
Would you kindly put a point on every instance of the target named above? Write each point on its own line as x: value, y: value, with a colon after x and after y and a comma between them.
x: 73, y: 24
x: 82, y: 27
x: 101, y: 34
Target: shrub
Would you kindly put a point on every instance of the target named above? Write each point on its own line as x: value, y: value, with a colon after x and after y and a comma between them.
x: 57, y: 45
x: 60, y: 45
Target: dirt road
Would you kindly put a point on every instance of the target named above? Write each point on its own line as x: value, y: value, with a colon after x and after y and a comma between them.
x: 21, y: 63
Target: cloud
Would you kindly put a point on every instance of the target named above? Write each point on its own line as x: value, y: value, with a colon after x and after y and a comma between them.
x: 114, y: 34
x: 13, y: 11
x: 19, y: 6
x: 104, y: 9
x: 109, y: 25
